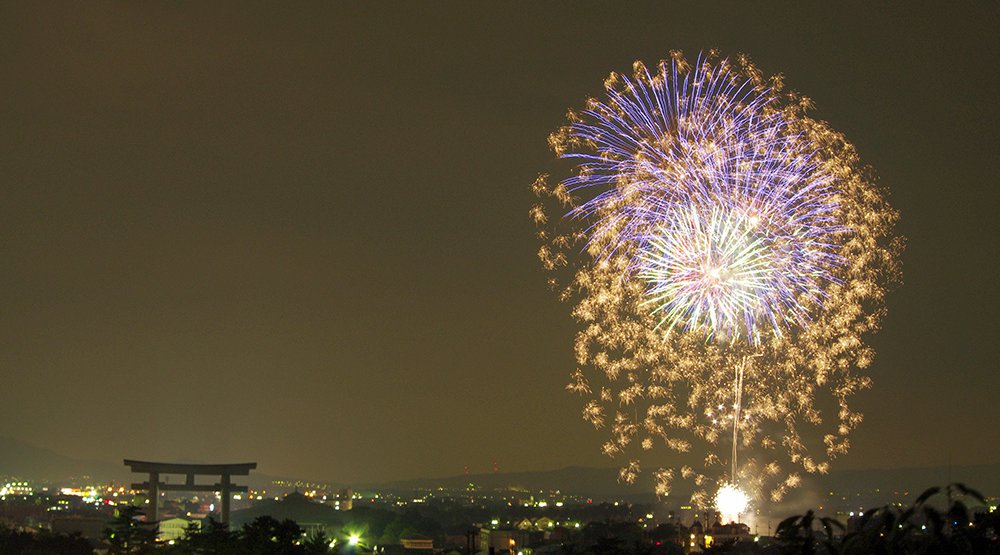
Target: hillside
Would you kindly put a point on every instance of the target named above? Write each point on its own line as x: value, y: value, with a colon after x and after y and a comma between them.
x: 24, y: 460
x: 20, y: 459
x: 603, y: 483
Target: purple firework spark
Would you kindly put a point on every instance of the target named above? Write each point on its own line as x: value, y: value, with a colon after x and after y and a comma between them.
x: 718, y: 203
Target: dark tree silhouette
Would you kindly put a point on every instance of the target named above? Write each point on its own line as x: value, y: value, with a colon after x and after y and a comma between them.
x: 318, y: 543
x: 267, y: 536
x: 43, y: 543
x: 125, y: 534
x: 931, y: 526
x: 212, y: 537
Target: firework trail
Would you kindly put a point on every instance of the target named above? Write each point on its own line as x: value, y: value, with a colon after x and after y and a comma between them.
x: 726, y: 254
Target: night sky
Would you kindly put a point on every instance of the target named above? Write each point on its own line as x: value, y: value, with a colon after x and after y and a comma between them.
x: 298, y: 234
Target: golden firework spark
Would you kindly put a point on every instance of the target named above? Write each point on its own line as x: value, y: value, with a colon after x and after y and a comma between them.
x: 726, y: 255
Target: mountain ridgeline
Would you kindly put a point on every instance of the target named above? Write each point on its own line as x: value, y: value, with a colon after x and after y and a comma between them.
x: 22, y: 460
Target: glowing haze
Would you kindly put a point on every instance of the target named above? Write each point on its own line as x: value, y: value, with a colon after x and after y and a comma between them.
x: 726, y: 254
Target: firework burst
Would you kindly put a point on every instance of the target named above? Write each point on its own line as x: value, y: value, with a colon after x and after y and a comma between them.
x: 725, y: 253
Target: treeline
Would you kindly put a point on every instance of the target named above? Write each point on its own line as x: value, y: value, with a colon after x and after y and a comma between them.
x: 954, y: 520
x: 127, y: 534
x: 940, y: 521
x: 42, y: 543
x: 262, y: 536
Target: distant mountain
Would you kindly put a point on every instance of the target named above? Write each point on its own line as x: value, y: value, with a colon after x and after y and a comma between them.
x: 21, y: 459
x: 576, y: 480
x: 601, y: 483
x: 983, y: 477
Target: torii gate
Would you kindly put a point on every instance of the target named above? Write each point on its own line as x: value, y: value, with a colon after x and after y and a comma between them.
x: 224, y: 486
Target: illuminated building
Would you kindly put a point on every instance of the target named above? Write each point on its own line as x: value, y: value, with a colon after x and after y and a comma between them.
x: 343, y: 500
x: 500, y: 540
x: 417, y: 541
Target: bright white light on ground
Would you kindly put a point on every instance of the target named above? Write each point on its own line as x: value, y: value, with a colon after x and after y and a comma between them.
x: 731, y: 502
x: 354, y: 539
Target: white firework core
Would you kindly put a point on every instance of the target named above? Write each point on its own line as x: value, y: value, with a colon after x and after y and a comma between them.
x: 731, y: 502
x: 709, y: 269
